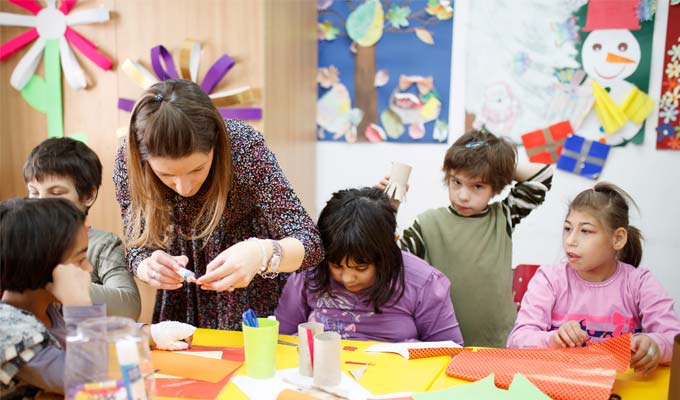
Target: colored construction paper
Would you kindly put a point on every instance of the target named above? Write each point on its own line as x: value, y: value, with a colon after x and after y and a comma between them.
x: 79, y: 136
x: 17, y: 43
x: 72, y: 71
x: 216, y: 72
x: 668, y: 128
x: 545, y: 145
x: 481, y: 389
x: 26, y: 67
x: 582, y: 373
x: 189, y: 59
x: 403, y: 348
x: 140, y: 75
x: 99, y: 14
x: 365, y: 23
x: 88, y: 49
x: 583, y: 157
x: 35, y: 93
x: 191, y: 367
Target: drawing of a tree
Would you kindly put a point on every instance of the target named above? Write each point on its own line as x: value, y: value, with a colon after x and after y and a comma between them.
x: 367, y: 22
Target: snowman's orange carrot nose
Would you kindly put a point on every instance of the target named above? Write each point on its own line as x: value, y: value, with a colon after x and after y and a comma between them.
x: 615, y: 58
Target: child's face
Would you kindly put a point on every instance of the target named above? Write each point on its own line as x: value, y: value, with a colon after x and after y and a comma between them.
x: 77, y: 255
x: 57, y: 186
x: 183, y: 175
x: 355, y: 277
x: 468, y: 196
x: 590, y: 247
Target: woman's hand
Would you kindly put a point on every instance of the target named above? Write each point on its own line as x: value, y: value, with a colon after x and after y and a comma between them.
x: 160, y: 270
x: 71, y: 285
x: 646, y: 354
x: 569, y: 334
x: 236, y: 266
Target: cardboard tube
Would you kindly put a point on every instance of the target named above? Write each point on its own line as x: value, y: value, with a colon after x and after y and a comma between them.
x: 327, y: 359
x: 307, y: 331
x: 674, y: 386
x: 399, y: 175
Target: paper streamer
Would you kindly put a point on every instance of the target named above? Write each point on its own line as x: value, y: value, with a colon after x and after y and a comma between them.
x: 15, y: 44
x: 327, y: 370
x: 159, y: 56
x: 138, y: 73
x: 66, y: 6
x: 29, y: 5
x: 126, y: 104
x: 399, y: 175
x: 100, y: 14
x: 240, y: 95
x: 88, y: 49
x: 241, y: 113
x: 306, y: 331
x: 17, y: 20
x: 189, y: 59
x: 215, y: 74
x: 26, y: 67
x: 75, y: 76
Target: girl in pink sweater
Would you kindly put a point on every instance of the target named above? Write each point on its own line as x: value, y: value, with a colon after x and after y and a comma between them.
x: 599, y: 292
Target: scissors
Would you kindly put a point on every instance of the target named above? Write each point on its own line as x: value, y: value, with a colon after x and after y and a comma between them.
x: 250, y: 318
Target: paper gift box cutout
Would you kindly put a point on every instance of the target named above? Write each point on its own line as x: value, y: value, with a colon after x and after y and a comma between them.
x: 583, y: 157
x: 545, y: 145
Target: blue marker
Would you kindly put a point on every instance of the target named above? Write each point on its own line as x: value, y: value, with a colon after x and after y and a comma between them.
x: 187, y: 275
x: 250, y: 318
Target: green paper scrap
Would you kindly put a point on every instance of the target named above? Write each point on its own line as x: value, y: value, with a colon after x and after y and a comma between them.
x: 45, y: 94
x: 482, y: 389
x: 79, y: 136
x: 520, y: 389
x: 392, y: 124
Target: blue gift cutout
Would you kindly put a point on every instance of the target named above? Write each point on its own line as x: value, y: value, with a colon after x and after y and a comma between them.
x: 583, y: 157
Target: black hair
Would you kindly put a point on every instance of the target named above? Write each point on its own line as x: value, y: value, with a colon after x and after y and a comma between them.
x: 65, y: 157
x: 360, y: 224
x: 35, y: 236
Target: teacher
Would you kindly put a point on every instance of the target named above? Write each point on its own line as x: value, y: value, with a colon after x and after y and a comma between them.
x: 207, y: 195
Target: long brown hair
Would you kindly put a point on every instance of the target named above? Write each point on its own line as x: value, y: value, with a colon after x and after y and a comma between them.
x: 175, y: 119
x: 609, y: 204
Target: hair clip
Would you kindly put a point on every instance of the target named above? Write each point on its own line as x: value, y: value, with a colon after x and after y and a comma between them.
x: 158, y: 98
x: 472, y: 145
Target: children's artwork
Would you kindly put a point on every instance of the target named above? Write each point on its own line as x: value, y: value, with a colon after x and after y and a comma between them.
x: 533, y: 63
x: 384, y: 70
x: 580, y: 373
x: 51, y: 29
x: 545, y: 145
x: 668, y: 128
x: 583, y: 157
x: 189, y: 62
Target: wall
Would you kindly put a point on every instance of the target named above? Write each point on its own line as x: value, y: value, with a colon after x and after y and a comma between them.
x: 651, y: 177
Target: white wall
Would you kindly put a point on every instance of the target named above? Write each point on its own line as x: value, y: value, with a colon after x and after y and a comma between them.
x: 651, y: 177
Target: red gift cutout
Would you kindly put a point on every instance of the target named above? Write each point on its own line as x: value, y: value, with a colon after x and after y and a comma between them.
x: 545, y: 145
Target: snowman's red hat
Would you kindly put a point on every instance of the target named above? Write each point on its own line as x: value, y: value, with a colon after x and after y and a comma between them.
x: 612, y: 14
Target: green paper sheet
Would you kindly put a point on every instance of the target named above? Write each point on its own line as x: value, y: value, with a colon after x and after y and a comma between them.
x: 79, y: 136
x: 520, y: 389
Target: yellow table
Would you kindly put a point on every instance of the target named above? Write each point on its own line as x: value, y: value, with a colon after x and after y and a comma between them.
x: 392, y: 373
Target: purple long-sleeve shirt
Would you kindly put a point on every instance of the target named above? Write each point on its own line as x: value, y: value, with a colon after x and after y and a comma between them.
x: 630, y: 301
x: 424, y: 312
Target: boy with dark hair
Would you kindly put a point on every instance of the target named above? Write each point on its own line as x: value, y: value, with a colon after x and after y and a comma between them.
x: 67, y: 168
x: 471, y: 240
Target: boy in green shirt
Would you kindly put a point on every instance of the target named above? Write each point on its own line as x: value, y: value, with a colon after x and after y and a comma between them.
x: 67, y: 168
x: 471, y: 240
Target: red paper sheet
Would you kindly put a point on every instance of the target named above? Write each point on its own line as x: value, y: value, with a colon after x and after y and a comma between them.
x: 584, y: 373
x: 189, y: 388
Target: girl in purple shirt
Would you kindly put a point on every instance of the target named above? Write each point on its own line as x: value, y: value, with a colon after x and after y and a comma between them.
x: 366, y: 288
x: 599, y: 292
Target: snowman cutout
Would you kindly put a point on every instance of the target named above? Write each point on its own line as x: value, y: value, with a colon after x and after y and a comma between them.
x: 610, y: 55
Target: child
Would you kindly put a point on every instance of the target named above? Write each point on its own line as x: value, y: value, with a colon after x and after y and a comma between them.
x: 599, y: 292
x: 471, y: 240
x: 45, y: 277
x: 366, y: 288
x: 67, y: 168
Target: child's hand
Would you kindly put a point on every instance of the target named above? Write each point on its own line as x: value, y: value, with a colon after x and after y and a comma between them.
x: 382, y: 185
x: 171, y: 335
x: 646, y: 354
x: 569, y: 334
x: 70, y: 285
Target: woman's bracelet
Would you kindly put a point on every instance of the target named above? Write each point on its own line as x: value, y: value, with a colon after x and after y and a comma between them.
x: 263, y: 265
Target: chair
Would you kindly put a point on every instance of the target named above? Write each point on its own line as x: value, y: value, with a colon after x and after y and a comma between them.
x: 521, y: 277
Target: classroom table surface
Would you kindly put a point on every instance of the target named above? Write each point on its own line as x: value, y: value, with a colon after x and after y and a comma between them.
x: 390, y: 373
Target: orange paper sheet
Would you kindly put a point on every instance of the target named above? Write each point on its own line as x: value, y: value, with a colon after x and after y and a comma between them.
x: 584, y: 373
x: 192, y: 367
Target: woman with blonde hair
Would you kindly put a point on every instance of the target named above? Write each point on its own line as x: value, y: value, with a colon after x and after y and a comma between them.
x: 206, y: 195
